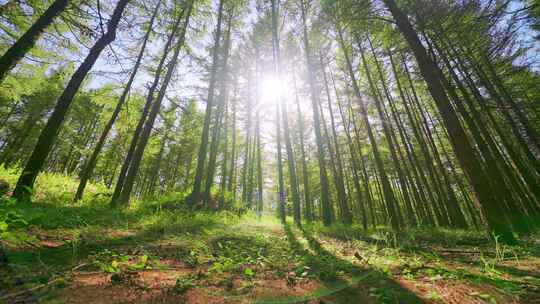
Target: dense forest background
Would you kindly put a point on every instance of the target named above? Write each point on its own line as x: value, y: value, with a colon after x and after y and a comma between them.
x: 394, y: 114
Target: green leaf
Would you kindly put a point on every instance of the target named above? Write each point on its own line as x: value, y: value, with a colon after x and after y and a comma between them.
x: 143, y: 259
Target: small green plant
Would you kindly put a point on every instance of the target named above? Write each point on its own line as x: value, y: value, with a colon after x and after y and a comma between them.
x: 249, y: 273
x: 113, y: 267
x: 142, y: 263
x: 434, y: 296
x: 192, y: 259
x: 14, y: 224
x: 382, y: 295
x: 501, y: 250
x: 112, y: 262
x: 184, y: 284
x: 75, y: 242
x: 484, y: 296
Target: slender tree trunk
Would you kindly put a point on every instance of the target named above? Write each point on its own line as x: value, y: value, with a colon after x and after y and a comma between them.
x: 231, y: 186
x: 429, y: 163
x: 491, y: 209
x: 156, y: 106
x: 88, y: 170
x: 389, y: 198
x: 225, y: 161
x: 139, y: 128
x: 48, y: 136
x: 222, y: 101
x: 157, y: 166
x: 259, y: 167
x: 527, y: 172
x: 195, y: 196
x: 247, y: 151
x: 336, y: 158
x: 490, y: 153
x: 354, y: 159
x: 308, y: 208
x: 365, y: 175
x: 325, y: 194
x: 293, y: 179
x: 281, y: 182
x: 27, y: 41
x: 413, y: 159
x: 341, y: 196
x: 388, y: 134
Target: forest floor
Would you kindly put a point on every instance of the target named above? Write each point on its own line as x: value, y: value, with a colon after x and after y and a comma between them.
x: 60, y: 252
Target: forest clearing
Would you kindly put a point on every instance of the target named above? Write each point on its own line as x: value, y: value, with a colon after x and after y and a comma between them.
x: 269, y: 151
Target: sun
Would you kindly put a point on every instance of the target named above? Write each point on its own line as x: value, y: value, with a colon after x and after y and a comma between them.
x: 271, y: 89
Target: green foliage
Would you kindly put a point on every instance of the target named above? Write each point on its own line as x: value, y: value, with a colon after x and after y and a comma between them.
x: 113, y: 262
x: 234, y: 254
x: 184, y: 284
x: 13, y: 224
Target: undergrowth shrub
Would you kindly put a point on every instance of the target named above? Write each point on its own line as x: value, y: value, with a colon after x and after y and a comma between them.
x: 56, y: 187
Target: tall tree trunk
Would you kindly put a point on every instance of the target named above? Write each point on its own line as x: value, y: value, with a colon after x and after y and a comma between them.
x: 409, y: 105
x: 195, y: 195
x: 88, y: 170
x: 247, y: 151
x: 27, y: 41
x: 416, y: 168
x: 336, y: 158
x: 259, y: 166
x: 149, y: 99
x: 491, y: 154
x: 225, y: 161
x: 49, y: 133
x: 231, y: 186
x: 157, y: 166
x: 222, y: 101
x: 308, y: 203
x: 325, y: 196
x: 388, y: 134
x: 354, y: 159
x: 389, y: 198
x: 293, y: 179
x: 365, y: 175
x: 156, y: 106
x: 431, y: 73
x: 281, y: 183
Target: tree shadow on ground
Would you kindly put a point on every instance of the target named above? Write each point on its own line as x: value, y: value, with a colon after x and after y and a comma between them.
x: 36, y: 263
x: 365, y: 286
x: 473, y: 260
